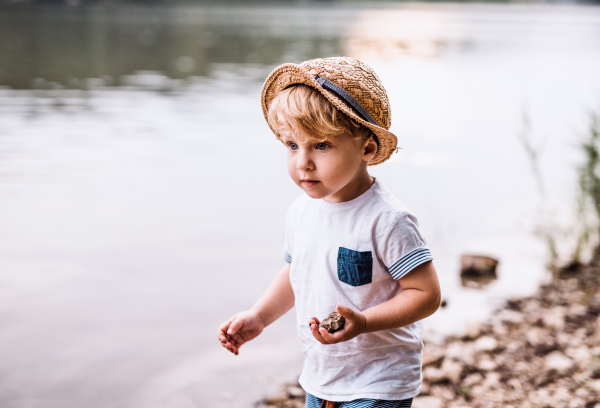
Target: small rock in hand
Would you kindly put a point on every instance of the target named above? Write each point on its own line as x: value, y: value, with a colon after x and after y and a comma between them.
x: 333, y: 322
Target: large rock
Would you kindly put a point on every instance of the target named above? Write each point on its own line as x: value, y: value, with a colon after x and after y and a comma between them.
x: 477, y: 270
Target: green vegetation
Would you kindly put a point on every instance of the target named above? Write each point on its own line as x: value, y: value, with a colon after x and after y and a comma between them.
x: 588, y: 208
x: 569, y: 247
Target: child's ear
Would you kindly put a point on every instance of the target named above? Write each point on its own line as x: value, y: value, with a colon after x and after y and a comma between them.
x: 369, y: 149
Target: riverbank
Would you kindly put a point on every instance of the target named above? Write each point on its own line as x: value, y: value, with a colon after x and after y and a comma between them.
x: 537, y: 351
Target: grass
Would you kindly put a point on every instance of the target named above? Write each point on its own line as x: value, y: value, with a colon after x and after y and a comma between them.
x: 588, y: 203
x: 567, y: 246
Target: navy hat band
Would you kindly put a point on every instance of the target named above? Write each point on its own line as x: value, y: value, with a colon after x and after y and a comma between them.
x: 346, y: 97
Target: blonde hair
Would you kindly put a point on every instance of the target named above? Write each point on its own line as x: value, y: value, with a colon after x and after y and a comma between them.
x: 303, y: 111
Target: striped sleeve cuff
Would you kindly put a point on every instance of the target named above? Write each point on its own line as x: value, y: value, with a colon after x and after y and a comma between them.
x: 410, y: 261
x: 287, y: 256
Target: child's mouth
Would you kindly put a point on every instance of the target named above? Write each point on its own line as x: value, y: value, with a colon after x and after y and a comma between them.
x: 309, y: 183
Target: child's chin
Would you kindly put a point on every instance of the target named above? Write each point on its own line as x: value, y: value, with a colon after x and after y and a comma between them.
x: 314, y: 194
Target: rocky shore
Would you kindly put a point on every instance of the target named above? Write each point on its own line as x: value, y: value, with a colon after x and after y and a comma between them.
x: 539, y: 351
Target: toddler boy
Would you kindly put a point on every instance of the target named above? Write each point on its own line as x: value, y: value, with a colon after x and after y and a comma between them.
x: 350, y: 246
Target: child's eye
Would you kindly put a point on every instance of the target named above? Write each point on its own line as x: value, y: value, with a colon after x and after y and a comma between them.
x: 293, y: 146
x: 321, y: 146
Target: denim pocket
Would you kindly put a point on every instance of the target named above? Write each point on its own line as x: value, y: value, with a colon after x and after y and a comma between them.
x: 355, y: 268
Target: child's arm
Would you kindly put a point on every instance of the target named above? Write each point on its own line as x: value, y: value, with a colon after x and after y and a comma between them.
x: 245, y: 326
x: 420, y: 297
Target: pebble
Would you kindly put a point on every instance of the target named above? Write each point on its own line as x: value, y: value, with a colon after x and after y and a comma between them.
x: 558, y: 361
x: 433, y: 374
x: 511, y: 316
x: 473, y: 330
x: 427, y: 402
x: 580, y: 354
x: 295, y: 392
x: 536, y: 336
x: 486, y: 343
x: 487, y: 364
x: 594, y: 385
x: 445, y: 392
x: 491, y: 380
x: 554, y: 317
x: 515, y: 383
x: 333, y: 322
x: 451, y: 370
x: 472, y: 379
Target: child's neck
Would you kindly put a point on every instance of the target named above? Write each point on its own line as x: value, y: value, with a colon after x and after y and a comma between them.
x: 355, y: 188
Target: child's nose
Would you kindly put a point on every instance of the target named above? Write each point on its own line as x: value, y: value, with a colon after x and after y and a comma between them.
x: 304, y: 161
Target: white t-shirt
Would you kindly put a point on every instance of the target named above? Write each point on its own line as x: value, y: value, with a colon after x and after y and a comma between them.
x: 351, y: 254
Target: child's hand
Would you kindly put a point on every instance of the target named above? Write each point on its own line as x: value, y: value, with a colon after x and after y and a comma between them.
x: 239, y: 329
x: 355, y: 325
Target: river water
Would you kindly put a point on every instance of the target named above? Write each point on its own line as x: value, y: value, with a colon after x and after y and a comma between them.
x: 142, y: 196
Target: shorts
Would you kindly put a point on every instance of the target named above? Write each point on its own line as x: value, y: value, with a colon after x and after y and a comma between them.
x: 314, y: 402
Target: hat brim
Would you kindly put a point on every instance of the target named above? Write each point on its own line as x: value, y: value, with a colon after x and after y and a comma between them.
x: 291, y: 74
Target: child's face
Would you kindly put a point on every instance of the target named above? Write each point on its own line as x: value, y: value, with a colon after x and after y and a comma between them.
x: 335, y: 169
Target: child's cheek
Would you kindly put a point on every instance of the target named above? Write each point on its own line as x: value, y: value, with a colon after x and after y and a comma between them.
x: 291, y: 167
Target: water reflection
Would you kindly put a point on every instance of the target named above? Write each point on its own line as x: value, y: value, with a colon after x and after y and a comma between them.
x: 63, y: 46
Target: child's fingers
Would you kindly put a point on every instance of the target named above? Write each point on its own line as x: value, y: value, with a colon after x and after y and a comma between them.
x: 332, y: 338
x: 223, y: 329
x: 227, y: 337
x: 355, y: 320
x: 237, y: 339
x: 235, y: 325
x: 231, y: 347
x: 346, y: 312
x: 325, y: 335
x: 227, y: 345
x: 221, y: 337
x: 230, y: 342
x: 315, y: 332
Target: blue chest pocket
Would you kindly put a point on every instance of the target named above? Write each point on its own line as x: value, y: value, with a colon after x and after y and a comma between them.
x: 355, y: 268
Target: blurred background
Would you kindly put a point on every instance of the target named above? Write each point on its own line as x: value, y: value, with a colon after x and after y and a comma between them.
x: 143, y: 196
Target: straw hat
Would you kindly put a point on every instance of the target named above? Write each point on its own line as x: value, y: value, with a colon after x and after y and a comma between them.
x: 350, y: 85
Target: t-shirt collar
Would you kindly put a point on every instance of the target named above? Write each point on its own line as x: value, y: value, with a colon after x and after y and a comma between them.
x: 354, y: 203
